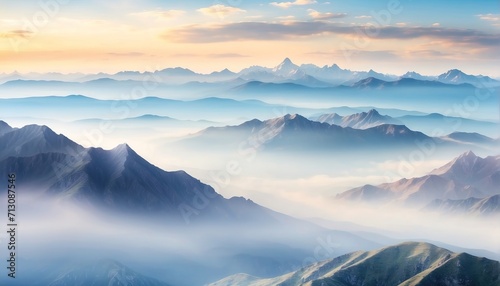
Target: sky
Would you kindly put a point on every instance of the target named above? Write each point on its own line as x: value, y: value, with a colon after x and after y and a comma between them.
x: 389, y: 36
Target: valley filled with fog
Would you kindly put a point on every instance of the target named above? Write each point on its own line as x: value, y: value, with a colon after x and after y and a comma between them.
x: 197, y: 177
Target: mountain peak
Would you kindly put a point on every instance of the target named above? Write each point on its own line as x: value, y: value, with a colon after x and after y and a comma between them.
x: 295, y: 118
x: 369, y: 82
x: 291, y: 116
x: 177, y: 71
x: 463, y: 166
x: 363, y: 120
x: 467, y: 156
x: 3, y: 123
x: 123, y: 146
x: 4, y: 127
x: 287, y: 68
x: 34, y: 130
x: 289, y: 121
x: 33, y: 139
x: 455, y: 71
x: 123, y: 150
x: 224, y: 72
x: 415, y: 75
x: 373, y: 112
x: 453, y: 76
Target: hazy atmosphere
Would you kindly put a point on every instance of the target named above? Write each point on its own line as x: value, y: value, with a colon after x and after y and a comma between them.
x: 249, y: 143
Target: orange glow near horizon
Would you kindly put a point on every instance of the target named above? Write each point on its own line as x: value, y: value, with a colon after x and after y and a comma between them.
x: 145, y: 40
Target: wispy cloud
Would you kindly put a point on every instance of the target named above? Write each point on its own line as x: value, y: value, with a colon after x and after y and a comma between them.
x: 160, y: 14
x: 227, y: 55
x: 363, y: 17
x: 220, y: 10
x: 294, y: 29
x: 361, y: 55
x: 218, y: 55
x: 289, y: 17
x: 295, y: 3
x: 16, y: 34
x: 432, y: 54
x: 128, y: 54
x: 490, y: 17
x: 325, y: 16
x: 494, y: 19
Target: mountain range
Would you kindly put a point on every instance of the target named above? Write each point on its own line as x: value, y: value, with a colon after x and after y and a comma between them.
x: 103, y: 272
x: 467, y: 176
x: 285, y: 72
x: 459, y: 129
x: 119, y: 182
x: 363, y: 120
x: 406, y: 264
x: 78, y: 107
x: 363, y: 132
x: 441, y: 125
x: 117, y: 179
x: 488, y: 206
x: 294, y: 131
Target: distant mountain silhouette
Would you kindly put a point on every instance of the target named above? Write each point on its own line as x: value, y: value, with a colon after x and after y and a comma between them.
x: 488, y: 206
x: 466, y: 176
x: 363, y: 120
x: 103, y: 273
x: 295, y: 132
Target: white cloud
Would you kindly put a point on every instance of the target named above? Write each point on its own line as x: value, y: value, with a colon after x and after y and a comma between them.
x: 490, y: 17
x: 494, y: 19
x: 436, y: 24
x: 295, y: 3
x: 220, y: 10
x: 160, y: 14
x: 286, y: 17
x: 325, y: 16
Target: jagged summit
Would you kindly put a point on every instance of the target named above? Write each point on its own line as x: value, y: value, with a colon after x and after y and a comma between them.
x: 288, y: 69
x: 465, y: 164
x: 464, y: 177
x: 362, y: 120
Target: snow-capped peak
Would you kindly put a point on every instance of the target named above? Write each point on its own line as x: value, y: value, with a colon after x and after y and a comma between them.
x: 288, y: 69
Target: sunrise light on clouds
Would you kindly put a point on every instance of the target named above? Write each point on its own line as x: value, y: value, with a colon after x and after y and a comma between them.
x: 392, y: 36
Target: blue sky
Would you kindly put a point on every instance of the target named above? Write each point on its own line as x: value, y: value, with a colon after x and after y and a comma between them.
x: 389, y: 36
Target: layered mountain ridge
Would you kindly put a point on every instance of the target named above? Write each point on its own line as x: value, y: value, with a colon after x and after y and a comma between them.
x: 406, y: 264
x: 286, y: 71
x: 467, y: 176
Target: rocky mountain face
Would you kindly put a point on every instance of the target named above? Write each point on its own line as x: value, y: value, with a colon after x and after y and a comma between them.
x: 51, y: 165
x: 464, y: 177
x: 363, y: 120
